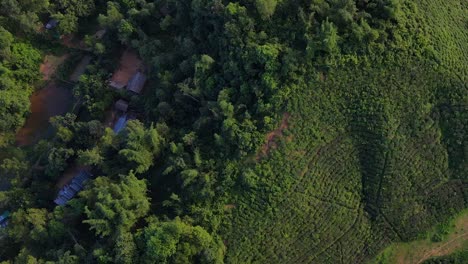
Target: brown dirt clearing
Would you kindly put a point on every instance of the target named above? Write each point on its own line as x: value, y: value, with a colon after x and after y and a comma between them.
x: 50, y: 101
x: 270, y: 141
x: 50, y: 65
x: 70, y: 41
x: 130, y: 63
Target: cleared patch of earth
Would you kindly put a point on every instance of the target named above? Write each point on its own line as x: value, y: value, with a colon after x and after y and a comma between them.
x: 50, y: 65
x: 273, y: 136
x: 50, y: 101
x: 130, y: 64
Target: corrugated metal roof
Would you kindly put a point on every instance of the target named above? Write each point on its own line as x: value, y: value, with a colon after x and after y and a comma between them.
x: 120, y: 124
x: 137, y: 82
x: 121, y: 105
x: 51, y: 24
x: 70, y: 190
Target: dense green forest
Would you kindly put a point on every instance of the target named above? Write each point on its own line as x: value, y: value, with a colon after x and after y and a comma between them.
x: 268, y: 131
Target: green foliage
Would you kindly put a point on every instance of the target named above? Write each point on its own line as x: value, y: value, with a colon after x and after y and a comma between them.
x: 6, y: 40
x: 113, y: 16
x: 125, y: 248
x: 458, y: 257
x: 266, y: 8
x: 57, y: 160
x: 68, y: 23
x: 19, y: 63
x: 115, y: 206
x: 90, y: 157
x: 173, y: 242
x: 93, y: 92
x: 22, y: 16
x: 68, y: 13
x: 142, y: 146
x: 289, y: 131
x: 35, y: 225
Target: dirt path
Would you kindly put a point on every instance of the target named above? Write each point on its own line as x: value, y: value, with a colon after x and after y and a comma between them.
x: 417, y: 252
x: 270, y: 141
x: 446, y: 248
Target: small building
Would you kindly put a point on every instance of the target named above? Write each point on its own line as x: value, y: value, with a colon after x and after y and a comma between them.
x: 51, y: 24
x: 100, y: 33
x: 4, y: 219
x: 116, y: 85
x: 76, y: 185
x: 120, y: 124
x: 121, y: 105
x: 136, y: 83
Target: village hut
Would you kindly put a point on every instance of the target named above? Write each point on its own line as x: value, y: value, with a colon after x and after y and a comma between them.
x: 136, y: 83
x: 76, y: 185
x: 51, y: 24
x: 116, y: 85
x: 130, y: 64
x: 121, y: 105
x: 120, y: 124
x: 4, y: 219
x: 99, y: 34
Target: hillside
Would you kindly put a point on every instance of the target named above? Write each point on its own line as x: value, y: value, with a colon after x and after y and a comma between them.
x: 374, y: 154
x: 211, y: 131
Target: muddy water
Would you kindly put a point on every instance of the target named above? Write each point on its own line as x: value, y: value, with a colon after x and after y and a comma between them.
x: 50, y: 101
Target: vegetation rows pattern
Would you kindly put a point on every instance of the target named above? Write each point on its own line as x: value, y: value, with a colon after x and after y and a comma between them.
x: 373, y: 178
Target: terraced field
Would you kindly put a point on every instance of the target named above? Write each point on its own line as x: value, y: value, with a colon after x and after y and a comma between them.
x: 378, y: 155
x: 448, y: 31
x: 371, y: 173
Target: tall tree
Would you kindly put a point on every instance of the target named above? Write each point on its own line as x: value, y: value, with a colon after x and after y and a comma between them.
x: 141, y: 145
x: 115, y: 206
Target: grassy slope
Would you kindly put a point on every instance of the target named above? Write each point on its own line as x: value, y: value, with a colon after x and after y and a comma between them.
x: 455, y: 237
x: 366, y: 162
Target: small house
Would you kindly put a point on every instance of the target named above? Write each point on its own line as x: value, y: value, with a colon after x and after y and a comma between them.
x: 121, y: 105
x: 4, y: 219
x: 51, y: 24
x: 136, y: 83
x: 76, y: 185
x: 99, y: 34
x: 120, y: 124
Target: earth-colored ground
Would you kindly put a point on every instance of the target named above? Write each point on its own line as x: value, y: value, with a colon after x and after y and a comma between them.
x: 72, y: 42
x: 130, y: 63
x: 50, y: 101
x: 270, y: 141
x: 50, y: 65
